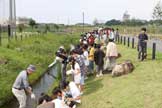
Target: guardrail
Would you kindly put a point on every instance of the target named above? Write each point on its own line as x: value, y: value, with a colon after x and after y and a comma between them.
x: 133, y: 40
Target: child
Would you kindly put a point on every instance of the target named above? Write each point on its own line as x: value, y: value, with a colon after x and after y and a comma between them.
x: 76, y: 72
x: 99, y: 61
x: 85, y: 56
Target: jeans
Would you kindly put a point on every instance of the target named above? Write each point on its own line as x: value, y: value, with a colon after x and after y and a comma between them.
x: 91, y: 66
x: 99, y: 69
x: 63, y: 73
x: 142, y: 52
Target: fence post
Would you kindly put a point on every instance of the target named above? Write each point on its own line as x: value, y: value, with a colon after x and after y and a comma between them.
x: 121, y: 39
x: 132, y: 42
x: 0, y: 35
x: 128, y: 41
x: 154, y: 51
x: 9, y: 32
x: 21, y: 37
x: 16, y: 37
x: 124, y: 40
x: 118, y: 38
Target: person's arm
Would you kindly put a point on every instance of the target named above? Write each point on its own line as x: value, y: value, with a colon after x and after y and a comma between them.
x: 26, y: 85
x: 146, y: 38
x: 103, y: 54
x: 74, y: 99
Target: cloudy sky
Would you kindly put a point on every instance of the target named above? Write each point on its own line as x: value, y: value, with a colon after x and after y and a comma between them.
x: 64, y: 11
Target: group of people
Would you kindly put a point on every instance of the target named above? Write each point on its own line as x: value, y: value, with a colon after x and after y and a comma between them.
x: 95, y: 53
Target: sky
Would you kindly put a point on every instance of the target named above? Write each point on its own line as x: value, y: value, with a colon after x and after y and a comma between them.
x: 70, y: 11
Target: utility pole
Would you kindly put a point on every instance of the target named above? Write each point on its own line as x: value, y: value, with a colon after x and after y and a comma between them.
x: 83, y: 22
x: 10, y: 20
x: 12, y: 15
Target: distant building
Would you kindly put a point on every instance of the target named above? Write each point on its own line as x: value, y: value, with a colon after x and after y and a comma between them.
x: 22, y: 20
x: 4, y: 22
x: 126, y: 16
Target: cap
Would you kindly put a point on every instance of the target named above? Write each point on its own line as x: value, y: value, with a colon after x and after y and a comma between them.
x: 31, y: 68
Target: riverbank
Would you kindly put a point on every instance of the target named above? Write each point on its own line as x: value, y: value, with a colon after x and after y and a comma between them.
x: 140, y: 89
x: 38, y: 50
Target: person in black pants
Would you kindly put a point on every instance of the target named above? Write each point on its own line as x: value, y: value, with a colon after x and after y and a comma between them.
x: 142, y: 45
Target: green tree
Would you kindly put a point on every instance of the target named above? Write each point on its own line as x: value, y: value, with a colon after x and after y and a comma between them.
x: 113, y: 22
x: 47, y: 28
x: 21, y: 27
x: 32, y: 23
x: 56, y: 27
x: 157, y: 11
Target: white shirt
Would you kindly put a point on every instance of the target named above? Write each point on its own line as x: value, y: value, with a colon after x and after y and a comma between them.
x: 77, y: 76
x: 74, y: 91
x: 58, y: 103
x: 112, y: 35
x: 85, y: 55
x: 104, y: 37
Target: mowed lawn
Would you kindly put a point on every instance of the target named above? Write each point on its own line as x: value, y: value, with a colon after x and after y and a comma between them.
x: 140, y: 89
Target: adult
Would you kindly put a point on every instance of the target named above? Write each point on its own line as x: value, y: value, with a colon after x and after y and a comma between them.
x: 105, y: 38
x: 62, y: 57
x: 116, y: 34
x: 112, y: 35
x: 21, y: 86
x: 111, y: 55
x: 142, y: 44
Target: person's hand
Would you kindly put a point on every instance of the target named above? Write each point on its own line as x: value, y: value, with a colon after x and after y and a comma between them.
x: 70, y: 99
x: 33, y: 96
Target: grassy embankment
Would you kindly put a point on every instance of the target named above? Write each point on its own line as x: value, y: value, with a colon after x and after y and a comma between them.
x: 37, y: 50
x: 140, y: 89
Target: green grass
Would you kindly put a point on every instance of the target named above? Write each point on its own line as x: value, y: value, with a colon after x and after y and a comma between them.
x: 140, y: 89
x: 39, y: 51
